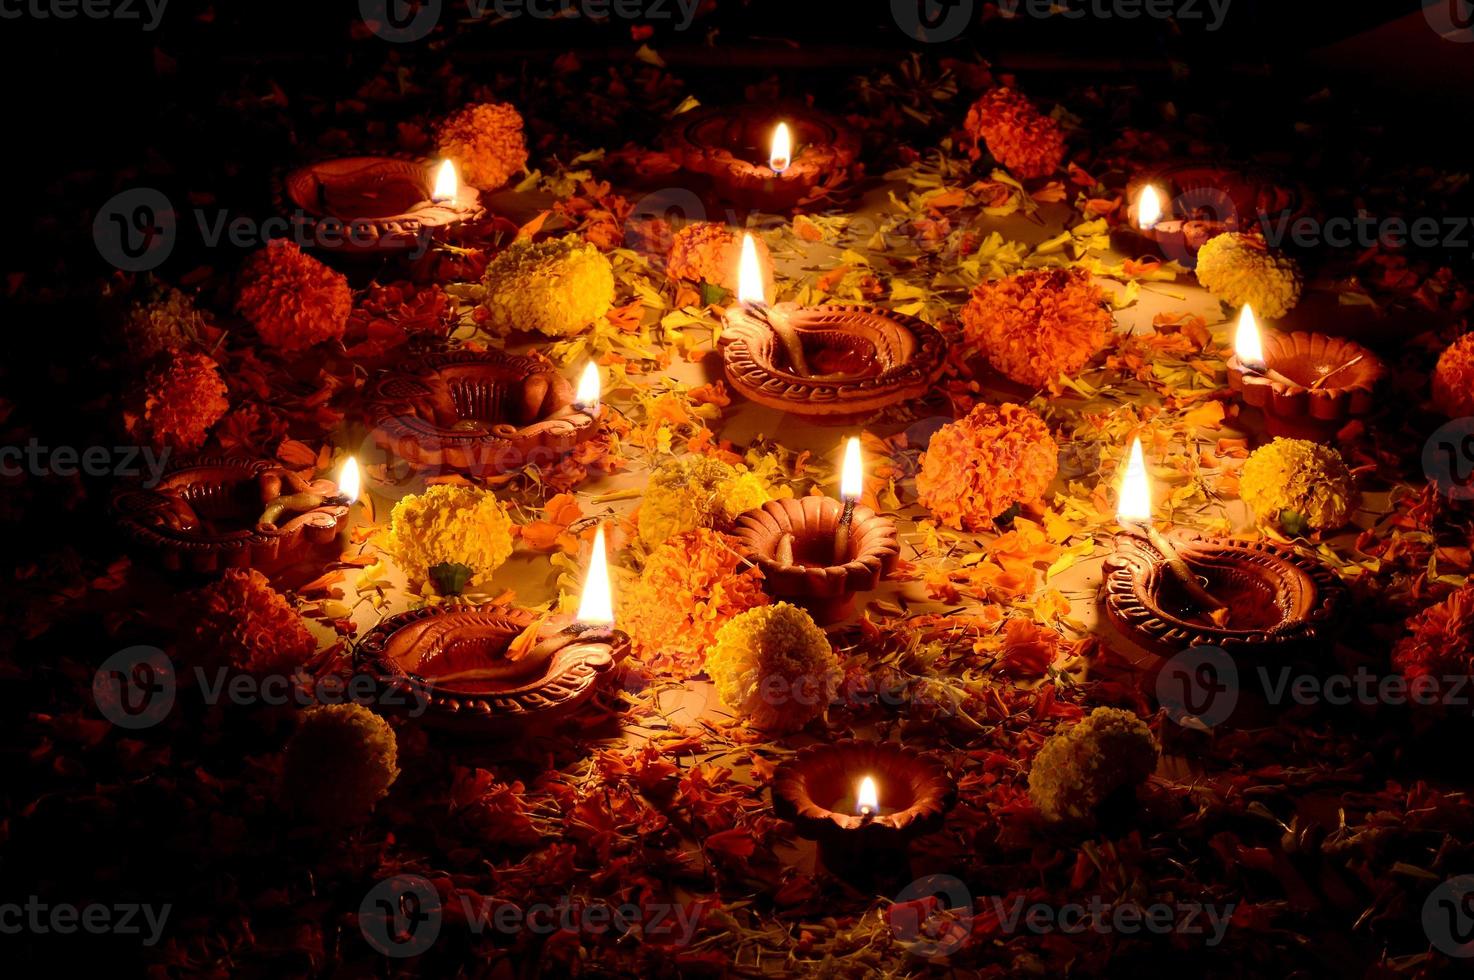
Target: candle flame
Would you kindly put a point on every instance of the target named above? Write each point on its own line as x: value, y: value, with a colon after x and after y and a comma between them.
x: 1136, y: 492
x: 1247, y: 342
x: 852, y: 476
x: 447, y: 184
x: 867, y: 800
x: 587, y: 395
x: 781, y: 157
x: 349, y: 482
x: 596, y: 606
x: 750, y: 285
x: 1148, y: 209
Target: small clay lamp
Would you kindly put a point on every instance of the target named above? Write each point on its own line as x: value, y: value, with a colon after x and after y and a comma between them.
x: 818, y: 552
x: 377, y: 205
x: 211, y: 513
x: 1307, y: 385
x: 1171, y: 592
x: 497, y: 670
x: 764, y: 158
x: 482, y: 413
x: 863, y: 803
x: 827, y: 364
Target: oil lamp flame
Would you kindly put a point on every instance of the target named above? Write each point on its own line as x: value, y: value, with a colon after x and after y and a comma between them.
x: 596, y: 606
x: 1136, y: 494
x: 867, y: 800
x: 447, y: 184
x: 852, y: 476
x: 750, y: 285
x: 589, y: 391
x: 1148, y: 209
x: 1247, y: 343
x: 781, y: 157
x: 349, y: 482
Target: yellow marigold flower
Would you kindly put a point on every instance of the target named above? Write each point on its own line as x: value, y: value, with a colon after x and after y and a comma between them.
x: 1020, y: 137
x: 293, y: 300
x: 170, y: 322
x: 690, y: 586
x: 1239, y: 269
x: 252, y: 625
x: 339, y: 763
x: 1297, y: 484
x: 449, y: 525
x: 1453, y: 379
x: 486, y: 143
x: 558, y: 287
x: 774, y: 667
x: 1035, y: 326
x: 1110, y: 752
x: 978, y: 467
x: 697, y: 491
x: 182, y: 399
x: 710, y: 252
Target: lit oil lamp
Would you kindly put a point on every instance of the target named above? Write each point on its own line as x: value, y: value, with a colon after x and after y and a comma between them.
x: 863, y: 802
x: 1307, y: 385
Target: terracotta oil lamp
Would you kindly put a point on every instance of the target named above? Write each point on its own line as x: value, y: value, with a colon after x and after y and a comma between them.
x: 1179, y: 590
x: 376, y: 205
x: 481, y: 413
x: 828, y: 364
x: 763, y: 157
x: 1307, y: 385
x: 211, y: 513
x: 818, y: 552
x: 491, y: 670
x: 863, y: 802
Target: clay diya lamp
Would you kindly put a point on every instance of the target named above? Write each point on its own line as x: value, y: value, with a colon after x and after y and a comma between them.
x: 769, y: 158
x: 376, y: 205
x: 481, y: 413
x: 863, y: 803
x: 1307, y: 385
x: 211, y: 513
x: 1174, y: 210
x: 449, y: 666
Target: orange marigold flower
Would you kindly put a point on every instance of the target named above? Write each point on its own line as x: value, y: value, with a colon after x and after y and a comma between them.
x: 710, y: 252
x: 251, y: 624
x: 978, y: 467
x: 1453, y: 378
x: 486, y: 142
x: 293, y: 300
x: 692, y: 584
x: 1038, y: 325
x: 1023, y: 139
x: 1440, y: 640
x: 182, y: 399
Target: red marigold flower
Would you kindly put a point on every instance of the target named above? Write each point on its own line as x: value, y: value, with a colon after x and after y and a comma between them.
x: 293, y: 300
x: 1019, y: 136
x: 486, y: 142
x: 1453, y: 378
x: 251, y: 624
x: 1440, y: 640
x: 182, y: 399
x: 1038, y: 325
x: 978, y: 467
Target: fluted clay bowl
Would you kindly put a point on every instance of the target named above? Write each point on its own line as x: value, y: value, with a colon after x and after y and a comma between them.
x: 815, y: 791
x: 817, y: 580
x: 1294, y: 362
x: 732, y: 146
x: 447, y: 665
x: 861, y: 361
x: 481, y: 413
x: 1282, y: 603
x: 372, y: 204
x: 203, y: 516
x: 1206, y: 199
